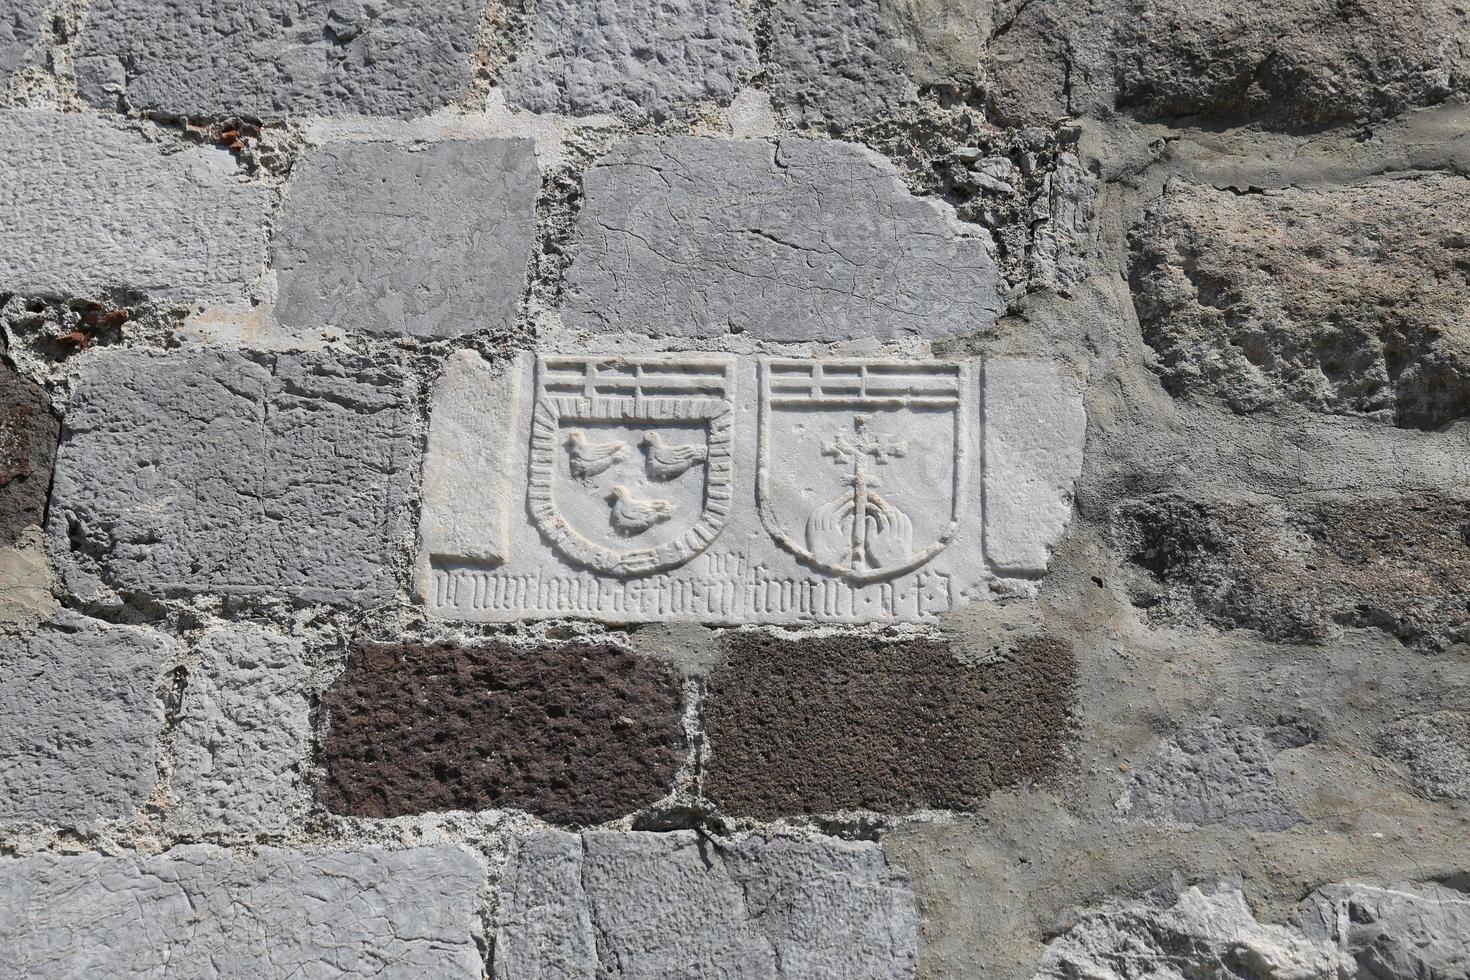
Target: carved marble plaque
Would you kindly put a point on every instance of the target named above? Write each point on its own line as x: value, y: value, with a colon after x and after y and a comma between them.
x: 729, y: 489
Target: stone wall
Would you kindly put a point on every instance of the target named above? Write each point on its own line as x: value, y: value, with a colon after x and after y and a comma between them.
x: 736, y: 488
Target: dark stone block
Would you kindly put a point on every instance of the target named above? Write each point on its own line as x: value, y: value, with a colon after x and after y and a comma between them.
x: 576, y: 734
x: 837, y: 723
x: 28, y: 434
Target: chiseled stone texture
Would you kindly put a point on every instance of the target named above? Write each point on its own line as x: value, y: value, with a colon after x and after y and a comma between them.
x: 1213, y: 774
x: 428, y: 242
x: 196, y: 911
x: 573, y: 734
x: 1436, y: 748
x: 1292, y: 63
x: 790, y: 240
x: 20, y: 28
x: 78, y: 720
x: 28, y: 434
x: 242, y: 738
x: 646, y: 906
x: 1347, y: 300
x: 632, y: 58
x: 1301, y: 573
x: 819, y: 725
x: 1403, y: 930
x: 91, y: 206
x: 233, y: 473
x: 273, y: 58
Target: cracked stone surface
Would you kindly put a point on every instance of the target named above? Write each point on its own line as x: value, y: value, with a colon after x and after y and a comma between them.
x: 1214, y: 774
x: 632, y: 58
x: 199, y: 911
x: 1348, y: 300
x: 91, y: 207
x: 79, y: 717
x: 1436, y: 748
x: 424, y: 242
x: 242, y: 739
x: 280, y: 57
x: 20, y: 27
x: 823, y: 725
x: 680, y: 904
x: 1403, y: 930
x: 28, y: 434
x: 573, y: 734
x: 692, y: 237
x: 242, y: 453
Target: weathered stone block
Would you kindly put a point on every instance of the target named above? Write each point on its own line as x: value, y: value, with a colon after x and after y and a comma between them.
x: 1212, y: 774
x: 1404, y: 930
x: 197, y: 911
x: 1436, y: 748
x: 786, y: 241
x: 429, y: 242
x: 841, y: 723
x: 28, y: 434
x: 78, y: 720
x: 90, y: 206
x: 574, y: 734
x: 682, y: 904
x: 1347, y: 300
x: 278, y: 58
x: 1300, y: 574
x: 209, y: 471
x: 20, y: 29
x: 723, y: 489
x: 632, y: 58
x: 242, y: 738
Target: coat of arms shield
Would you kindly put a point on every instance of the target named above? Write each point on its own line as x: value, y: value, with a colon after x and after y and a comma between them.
x: 863, y: 463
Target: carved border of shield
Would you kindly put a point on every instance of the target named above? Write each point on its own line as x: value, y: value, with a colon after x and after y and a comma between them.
x: 964, y: 408
x: 719, y: 478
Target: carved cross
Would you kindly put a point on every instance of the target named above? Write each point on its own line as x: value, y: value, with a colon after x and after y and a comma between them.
x: 865, y: 445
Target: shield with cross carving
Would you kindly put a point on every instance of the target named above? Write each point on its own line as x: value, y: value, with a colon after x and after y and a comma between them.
x: 862, y: 462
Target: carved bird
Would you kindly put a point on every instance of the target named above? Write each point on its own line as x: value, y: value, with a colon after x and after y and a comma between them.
x: 667, y: 462
x: 633, y: 516
x: 588, y: 459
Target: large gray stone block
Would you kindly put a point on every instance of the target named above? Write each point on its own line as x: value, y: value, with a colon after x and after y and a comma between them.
x: 278, y: 57
x: 633, y: 58
x: 20, y: 28
x: 78, y: 720
x: 199, y: 912
x: 89, y: 206
x: 796, y: 240
x: 681, y: 904
x: 429, y: 242
x: 208, y: 471
x: 243, y: 734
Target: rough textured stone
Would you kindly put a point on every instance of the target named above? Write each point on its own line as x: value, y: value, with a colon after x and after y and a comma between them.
x: 1294, y: 63
x: 28, y: 434
x: 277, y: 58
x: 1348, y: 300
x: 632, y: 58
x: 1436, y: 748
x: 826, y: 724
x: 430, y: 242
x: 1206, y: 932
x: 20, y: 27
x: 643, y: 906
x: 198, y: 912
x: 90, y: 207
x: 79, y: 720
x: 785, y: 241
x: 242, y: 738
x: 1404, y: 930
x: 247, y: 456
x: 1300, y: 574
x: 1212, y: 774
x: 573, y: 734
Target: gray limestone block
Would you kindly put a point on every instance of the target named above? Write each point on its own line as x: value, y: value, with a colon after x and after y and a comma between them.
x: 682, y: 904
x: 243, y: 734
x: 212, y: 471
x: 90, y: 206
x: 197, y: 911
x: 20, y: 28
x: 279, y: 57
x: 794, y: 240
x: 1213, y: 774
x: 79, y: 718
x: 427, y: 242
x: 1403, y: 930
x: 632, y: 58
x: 1436, y: 747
